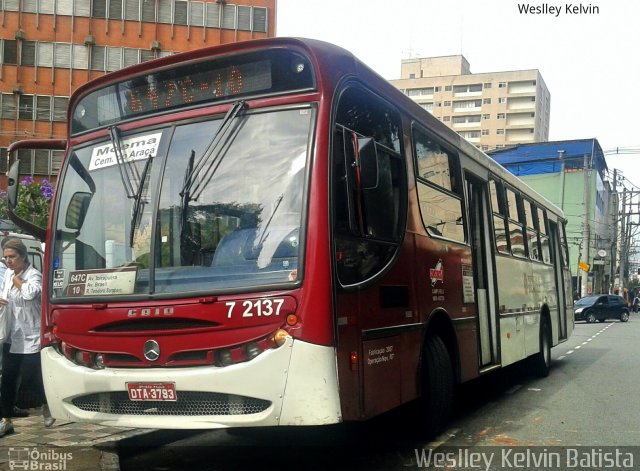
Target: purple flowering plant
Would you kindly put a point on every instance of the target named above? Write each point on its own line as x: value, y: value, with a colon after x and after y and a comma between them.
x: 34, y: 200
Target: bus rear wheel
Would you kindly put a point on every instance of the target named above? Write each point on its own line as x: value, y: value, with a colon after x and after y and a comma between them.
x: 437, y: 385
x: 541, y: 361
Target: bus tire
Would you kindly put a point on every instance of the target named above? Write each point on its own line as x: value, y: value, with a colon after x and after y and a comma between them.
x: 541, y: 361
x: 437, y: 386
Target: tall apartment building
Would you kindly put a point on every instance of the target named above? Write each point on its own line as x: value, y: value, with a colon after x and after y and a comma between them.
x: 50, y: 47
x: 491, y: 110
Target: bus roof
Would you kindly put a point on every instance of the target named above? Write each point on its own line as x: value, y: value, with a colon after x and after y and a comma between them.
x: 341, y: 63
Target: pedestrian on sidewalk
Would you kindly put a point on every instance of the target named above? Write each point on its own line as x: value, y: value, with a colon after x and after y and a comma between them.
x: 21, y: 294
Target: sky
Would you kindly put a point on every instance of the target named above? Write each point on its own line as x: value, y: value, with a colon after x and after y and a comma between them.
x: 589, y: 61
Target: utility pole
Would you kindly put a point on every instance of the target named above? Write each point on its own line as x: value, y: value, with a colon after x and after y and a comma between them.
x: 614, y: 236
x: 623, y: 240
x: 585, y: 253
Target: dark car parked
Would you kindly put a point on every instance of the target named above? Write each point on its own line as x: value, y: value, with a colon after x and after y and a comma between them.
x: 601, y: 307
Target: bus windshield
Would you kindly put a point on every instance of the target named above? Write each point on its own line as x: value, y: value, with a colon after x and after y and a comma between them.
x: 201, y: 206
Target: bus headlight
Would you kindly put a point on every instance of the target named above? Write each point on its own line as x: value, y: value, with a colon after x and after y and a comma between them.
x: 99, y: 361
x: 224, y: 357
x: 252, y: 350
x: 280, y: 337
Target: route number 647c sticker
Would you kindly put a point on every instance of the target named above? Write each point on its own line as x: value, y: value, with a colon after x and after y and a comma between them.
x: 255, y: 308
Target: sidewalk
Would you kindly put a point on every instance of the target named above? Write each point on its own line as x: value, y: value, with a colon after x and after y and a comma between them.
x: 66, y: 445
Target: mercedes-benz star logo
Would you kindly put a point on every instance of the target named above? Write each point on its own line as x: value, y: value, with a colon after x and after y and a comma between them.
x: 151, y: 350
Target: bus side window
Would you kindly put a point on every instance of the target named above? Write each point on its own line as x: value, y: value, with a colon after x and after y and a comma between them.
x: 516, y: 230
x: 440, y: 204
x: 532, y: 234
x: 499, y: 218
x: 544, y: 238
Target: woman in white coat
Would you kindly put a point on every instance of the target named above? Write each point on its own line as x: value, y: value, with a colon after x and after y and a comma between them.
x: 21, y: 294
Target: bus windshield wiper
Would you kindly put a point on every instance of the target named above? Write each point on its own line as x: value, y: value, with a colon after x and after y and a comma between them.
x: 132, y: 181
x: 264, y: 234
x: 211, y: 157
x: 139, y: 201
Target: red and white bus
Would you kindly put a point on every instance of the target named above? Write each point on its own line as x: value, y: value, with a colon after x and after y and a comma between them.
x: 269, y: 233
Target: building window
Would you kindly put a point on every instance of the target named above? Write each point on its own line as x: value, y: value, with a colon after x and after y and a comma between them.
x: 8, y: 106
x: 499, y: 131
x: 180, y: 12
x: 474, y: 88
x: 447, y: 118
x: 420, y: 91
x: 62, y: 55
x: 485, y: 132
x: 466, y: 119
x: 28, y: 53
x: 132, y: 10
x: 447, y: 88
x: 437, y: 89
x: 447, y: 103
x: 44, y: 56
x: 502, y: 84
x: 47, y: 7
x: 60, y: 108
x: 9, y: 54
x: 35, y: 162
x: 229, y: 16
x: 501, y: 115
x: 487, y: 85
x: 149, y: 11
x: 502, y: 100
x: 486, y: 101
x: 43, y: 108
x: 99, y: 9
x: 115, y: 9
x: 486, y: 116
x: 470, y: 134
x: 25, y: 107
x: 260, y: 19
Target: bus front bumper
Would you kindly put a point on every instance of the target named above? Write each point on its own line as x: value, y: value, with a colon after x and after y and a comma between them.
x: 295, y: 384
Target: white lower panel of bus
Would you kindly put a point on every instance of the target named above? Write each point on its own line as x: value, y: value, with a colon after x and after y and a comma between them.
x: 296, y: 384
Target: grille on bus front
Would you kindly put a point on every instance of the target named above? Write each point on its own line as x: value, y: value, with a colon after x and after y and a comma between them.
x: 188, y: 403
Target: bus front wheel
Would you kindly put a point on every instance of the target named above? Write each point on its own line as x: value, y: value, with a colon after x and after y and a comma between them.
x: 437, y: 392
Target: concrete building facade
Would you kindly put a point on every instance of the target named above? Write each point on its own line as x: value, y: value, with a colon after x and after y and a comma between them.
x: 50, y: 47
x: 491, y: 110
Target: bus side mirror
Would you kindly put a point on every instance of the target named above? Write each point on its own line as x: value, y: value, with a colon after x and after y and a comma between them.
x: 12, y: 185
x: 77, y: 210
x: 368, y: 162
